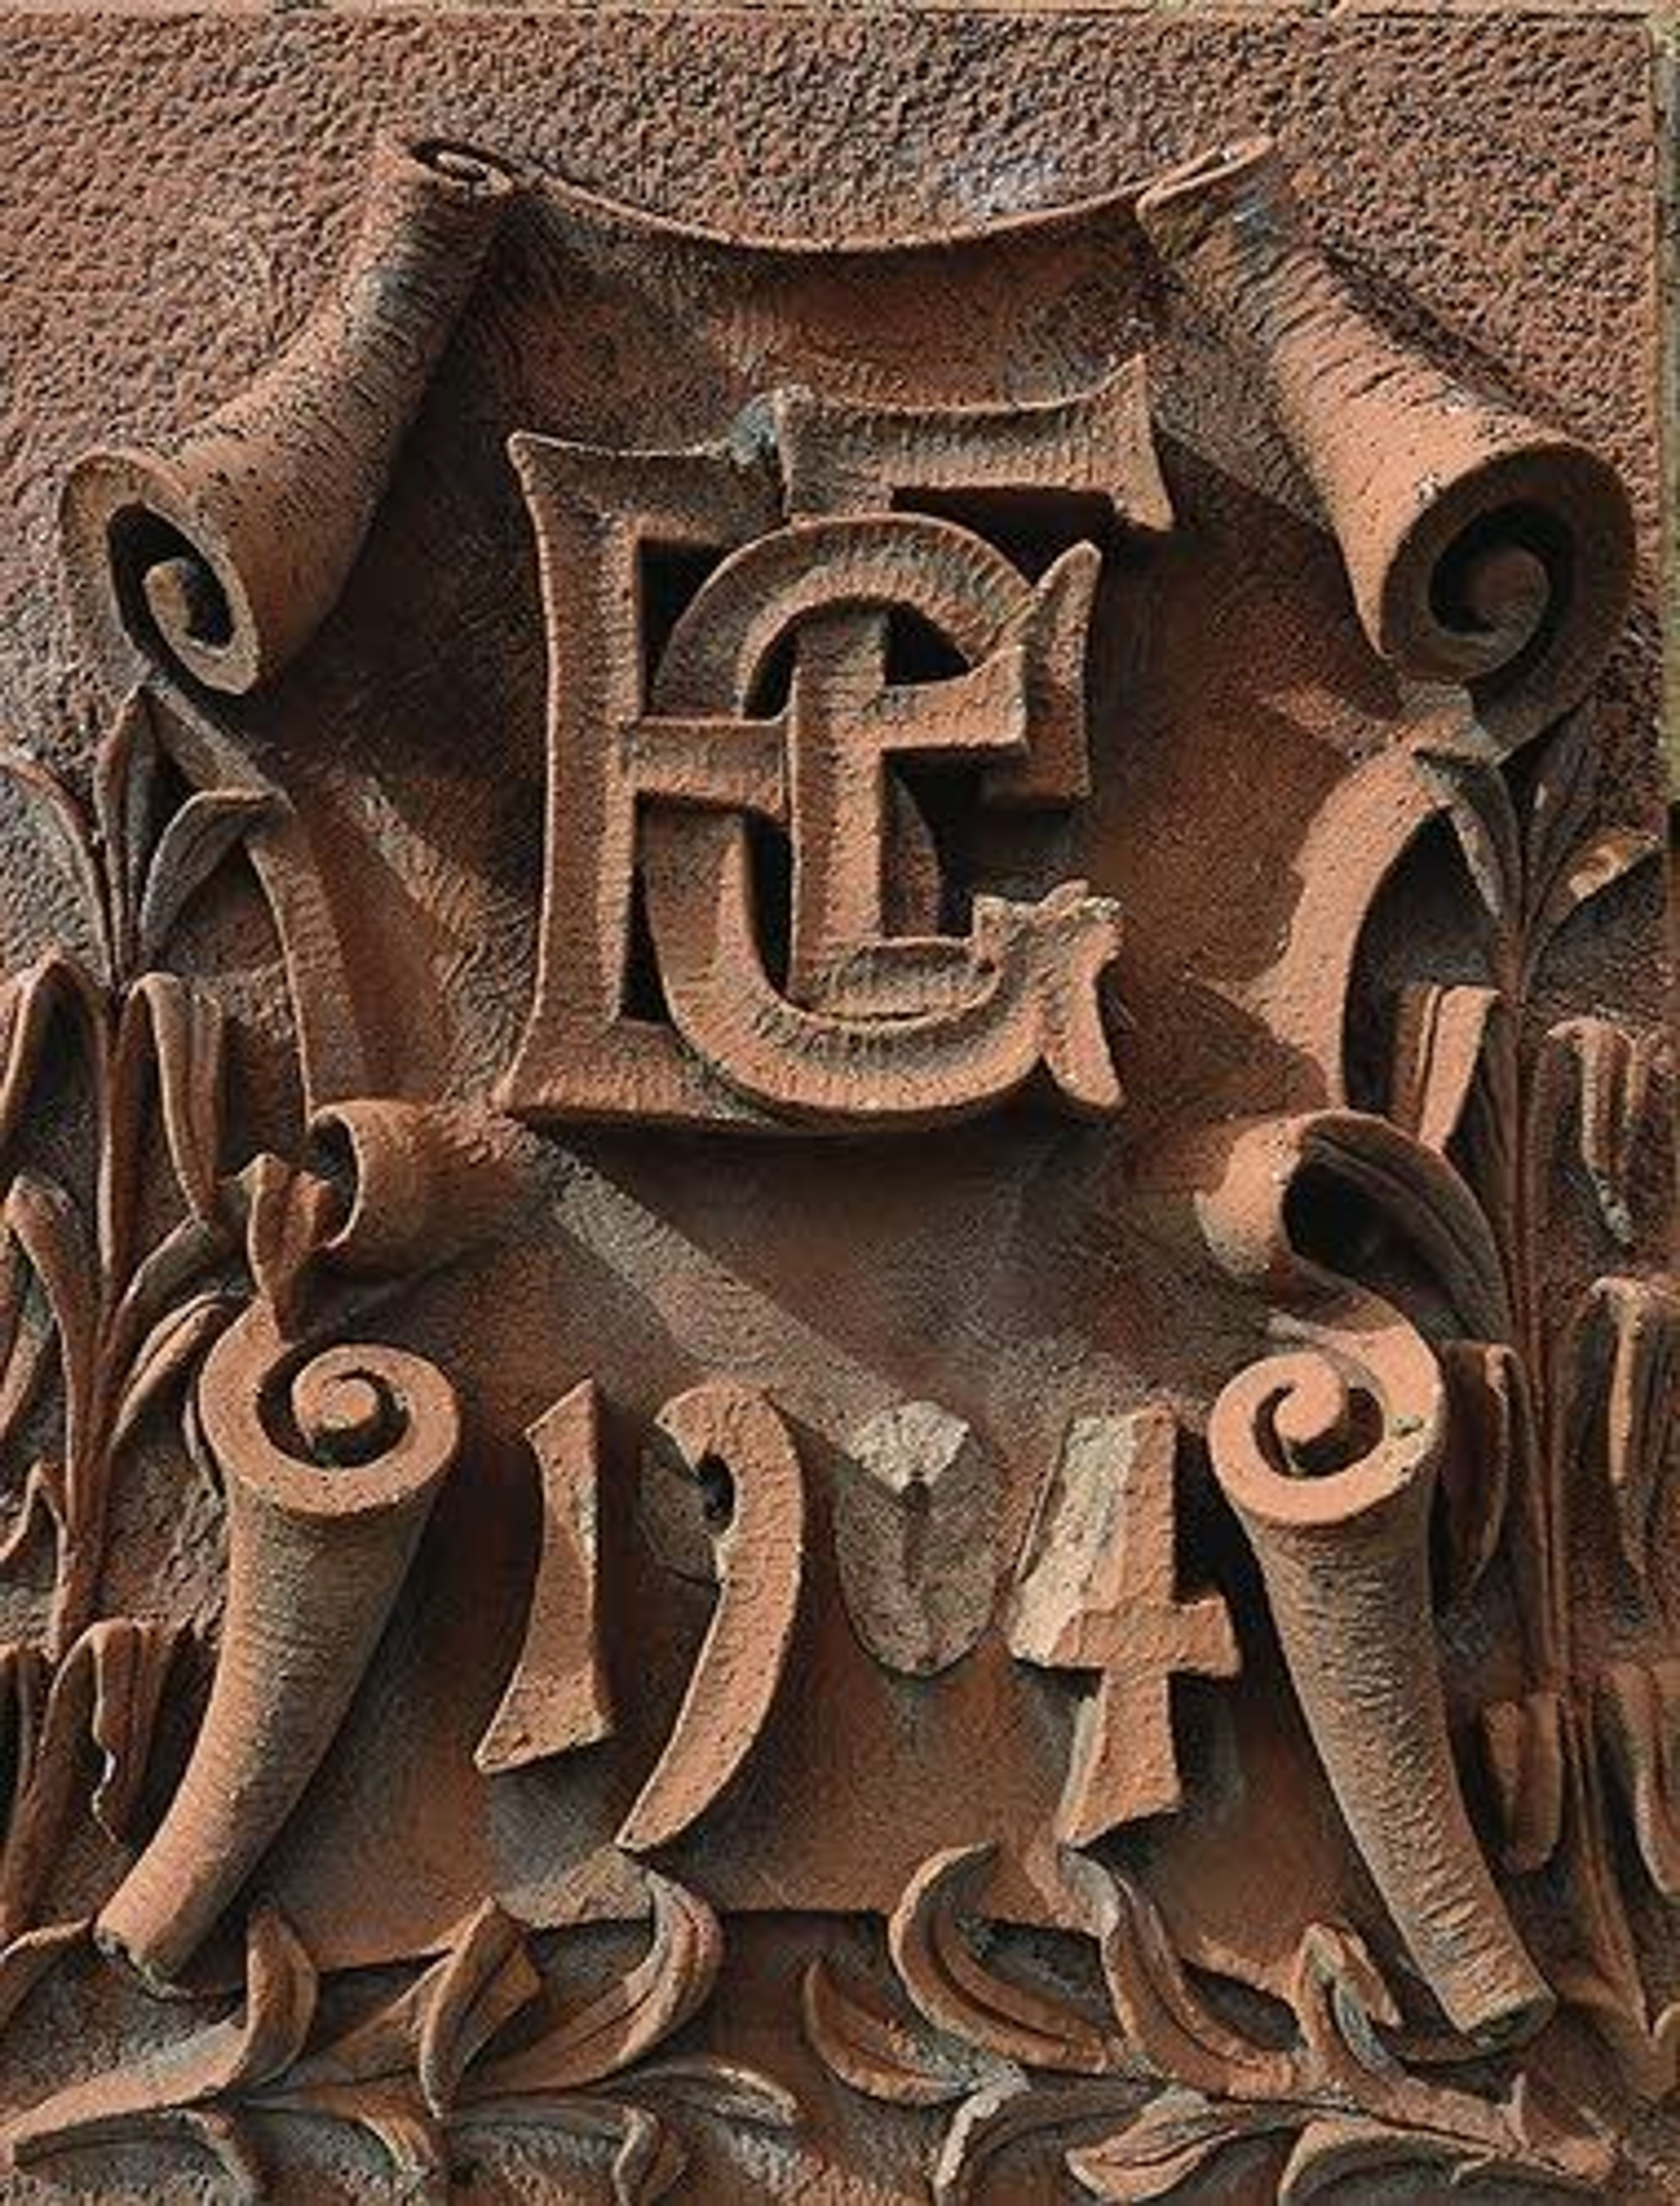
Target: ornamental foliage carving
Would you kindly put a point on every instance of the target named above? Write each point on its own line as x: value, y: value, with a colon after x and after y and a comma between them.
x: 838, y: 1317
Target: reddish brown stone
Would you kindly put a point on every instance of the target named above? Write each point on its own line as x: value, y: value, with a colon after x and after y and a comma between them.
x: 838, y: 1327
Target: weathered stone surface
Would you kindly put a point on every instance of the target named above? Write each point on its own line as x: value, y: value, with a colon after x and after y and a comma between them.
x: 838, y: 1329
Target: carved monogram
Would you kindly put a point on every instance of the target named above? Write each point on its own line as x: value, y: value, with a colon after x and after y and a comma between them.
x: 660, y: 757
x: 1245, y: 1905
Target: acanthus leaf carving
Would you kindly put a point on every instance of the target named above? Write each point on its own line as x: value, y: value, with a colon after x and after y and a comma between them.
x: 1489, y: 1439
x: 1638, y: 1712
x: 1523, y: 1749
x: 1582, y: 1399
x: 1365, y: 1418
x: 956, y: 1993
x: 1186, y: 2085
x: 193, y: 2088
x: 1616, y: 1078
x: 105, y: 1693
x: 424, y: 2066
x: 879, y: 2053
x: 633, y: 2015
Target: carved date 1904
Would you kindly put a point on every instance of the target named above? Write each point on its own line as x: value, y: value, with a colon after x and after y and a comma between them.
x: 1258, y: 1608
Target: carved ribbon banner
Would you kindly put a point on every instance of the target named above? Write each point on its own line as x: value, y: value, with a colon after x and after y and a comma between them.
x: 317, y: 1554
x: 1328, y: 1451
x: 873, y: 708
x: 1484, y: 549
x: 228, y: 551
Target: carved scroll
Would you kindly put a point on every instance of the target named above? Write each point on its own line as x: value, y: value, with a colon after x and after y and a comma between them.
x: 557, y: 1698
x: 732, y: 1445
x: 317, y: 1552
x: 1328, y: 1453
x: 223, y: 552
x: 425, y: 1181
x: 1484, y: 549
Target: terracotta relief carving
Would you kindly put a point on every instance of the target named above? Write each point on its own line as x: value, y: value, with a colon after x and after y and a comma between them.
x: 231, y: 548
x: 737, y: 1447
x: 557, y: 1697
x: 913, y: 1538
x: 1117, y: 1644
x: 316, y: 1556
x: 1483, y: 549
x: 1189, y: 2089
x: 1097, y: 1594
x: 1327, y: 1453
x: 880, y: 1024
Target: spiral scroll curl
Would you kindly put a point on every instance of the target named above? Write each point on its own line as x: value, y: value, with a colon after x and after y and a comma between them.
x: 1327, y: 1451
x: 423, y: 1182
x: 319, y: 1543
x: 222, y: 553
x: 1484, y: 549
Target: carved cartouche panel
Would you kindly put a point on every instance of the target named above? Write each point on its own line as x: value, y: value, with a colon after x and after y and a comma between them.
x: 840, y: 1348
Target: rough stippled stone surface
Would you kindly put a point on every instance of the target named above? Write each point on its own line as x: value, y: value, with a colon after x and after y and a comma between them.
x: 838, y: 1306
